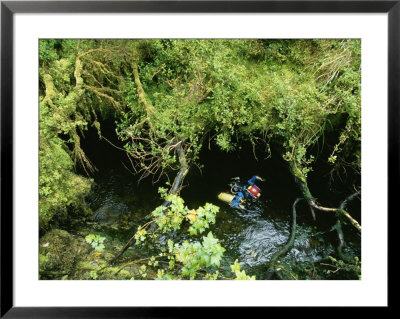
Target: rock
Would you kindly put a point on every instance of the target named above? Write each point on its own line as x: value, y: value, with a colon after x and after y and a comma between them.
x: 57, y: 254
x: 115, y: 273
x: 112, y: 214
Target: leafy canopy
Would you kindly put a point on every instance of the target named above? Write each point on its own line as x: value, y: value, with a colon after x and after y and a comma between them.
x: 166, y: 94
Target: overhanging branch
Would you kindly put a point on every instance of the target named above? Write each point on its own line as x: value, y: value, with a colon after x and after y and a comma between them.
x: 302, y: 183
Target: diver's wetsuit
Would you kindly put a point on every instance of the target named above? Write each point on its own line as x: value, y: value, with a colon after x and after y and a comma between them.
x: 242, y: 195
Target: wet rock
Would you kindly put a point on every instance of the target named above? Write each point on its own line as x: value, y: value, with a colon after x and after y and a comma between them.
x: 112, y: 214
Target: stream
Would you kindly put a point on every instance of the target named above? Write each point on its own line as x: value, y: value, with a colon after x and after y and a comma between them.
x: 251, y: 235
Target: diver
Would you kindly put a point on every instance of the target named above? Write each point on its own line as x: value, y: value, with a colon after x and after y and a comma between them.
x: 244, y: 192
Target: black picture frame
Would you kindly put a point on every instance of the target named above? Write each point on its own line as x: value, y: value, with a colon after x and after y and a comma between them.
x: 9, y: 8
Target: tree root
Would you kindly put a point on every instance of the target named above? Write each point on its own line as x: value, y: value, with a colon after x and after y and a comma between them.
x: 302, y: 183
x: 284, y: 250
x: 338, y: 227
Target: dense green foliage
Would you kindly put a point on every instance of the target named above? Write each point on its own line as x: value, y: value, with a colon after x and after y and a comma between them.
x: 193, y: 255
x: 236, y: 91
x: 165, y: 92
x: 198, y: 257
x: 166, y: 95
x: 96, y: 241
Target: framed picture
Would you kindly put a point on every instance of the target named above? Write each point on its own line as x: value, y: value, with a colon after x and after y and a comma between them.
x: 33, y: 32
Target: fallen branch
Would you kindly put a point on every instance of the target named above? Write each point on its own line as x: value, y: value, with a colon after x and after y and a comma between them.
x: 175, y: 188
x: 182, y: 172
x: 343, y: 212
x: 302, y: 183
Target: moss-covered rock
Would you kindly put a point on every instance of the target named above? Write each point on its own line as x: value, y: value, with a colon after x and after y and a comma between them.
x: 63, y: 256
x: 59, y: 253
x: 115, y: 273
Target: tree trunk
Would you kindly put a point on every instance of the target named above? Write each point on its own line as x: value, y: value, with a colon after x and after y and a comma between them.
x: 175, y: 188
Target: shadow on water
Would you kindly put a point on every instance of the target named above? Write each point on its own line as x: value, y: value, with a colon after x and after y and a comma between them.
x: 254, y: 234
x: 251, y: 235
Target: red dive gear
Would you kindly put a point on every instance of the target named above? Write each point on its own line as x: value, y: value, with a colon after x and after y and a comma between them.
x: 254, y: 191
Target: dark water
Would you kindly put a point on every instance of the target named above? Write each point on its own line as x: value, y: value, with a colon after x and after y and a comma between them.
x: 253, y: 235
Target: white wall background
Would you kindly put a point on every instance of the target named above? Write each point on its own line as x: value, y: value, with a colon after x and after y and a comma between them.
x: 370, y: 291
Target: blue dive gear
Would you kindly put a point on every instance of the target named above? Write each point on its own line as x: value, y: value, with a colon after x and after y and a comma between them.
x: 239, y: 198
x: 246, y: 192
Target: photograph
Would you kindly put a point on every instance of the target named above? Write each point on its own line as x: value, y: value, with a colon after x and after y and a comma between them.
x: 199, y: 159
